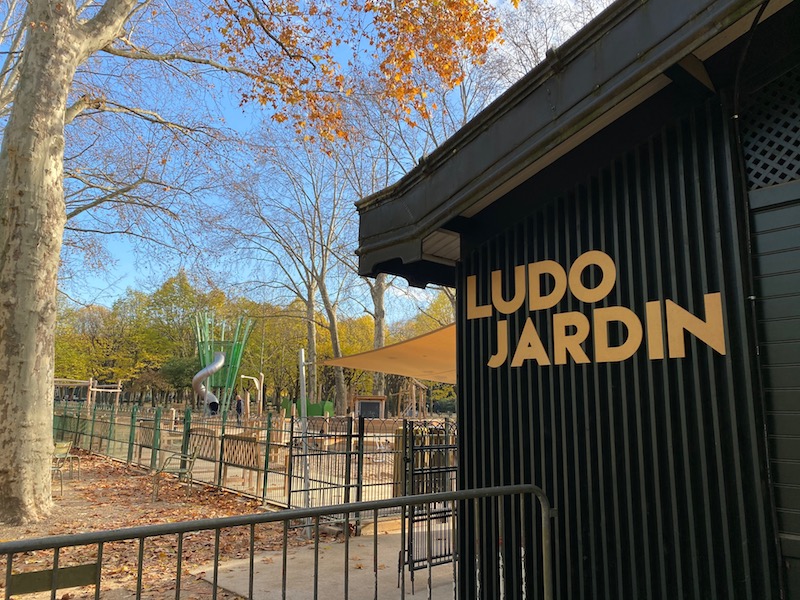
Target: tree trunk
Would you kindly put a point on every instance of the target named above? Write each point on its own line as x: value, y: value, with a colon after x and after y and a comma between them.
x: 340, y: 400
x: 31, y: 230
x: 311, y: 334
x: 378, y: 291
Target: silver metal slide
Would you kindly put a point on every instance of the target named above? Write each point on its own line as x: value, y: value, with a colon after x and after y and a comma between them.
x: 211, y: 401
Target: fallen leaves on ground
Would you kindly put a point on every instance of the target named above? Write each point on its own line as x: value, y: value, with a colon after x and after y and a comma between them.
x: 111, y: 495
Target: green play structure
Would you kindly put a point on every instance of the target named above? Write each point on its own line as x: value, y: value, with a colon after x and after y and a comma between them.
x: 213, y: 337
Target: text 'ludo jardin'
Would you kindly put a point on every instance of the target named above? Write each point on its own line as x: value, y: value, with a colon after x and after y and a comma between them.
x: 663, y: 327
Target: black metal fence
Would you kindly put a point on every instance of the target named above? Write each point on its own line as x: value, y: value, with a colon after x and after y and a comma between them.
x: 284, y: 462
x: 68, y: 569
x: 430, y: 451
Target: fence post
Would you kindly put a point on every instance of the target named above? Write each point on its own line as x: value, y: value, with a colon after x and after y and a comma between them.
x: 111, y: 429
x: 63, y: 423
x: 222, y: 445
x: 360, y: 471
x: 267, y: 449
x: 156, y: 440
x: 132, y: 432
x: 91, y: 428
x: 348, y: 469
x: 187, y: 429
x: 76, y: 439
x: 290, y: 469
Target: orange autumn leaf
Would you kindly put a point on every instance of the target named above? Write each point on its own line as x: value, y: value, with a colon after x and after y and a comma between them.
x: 300, y: 54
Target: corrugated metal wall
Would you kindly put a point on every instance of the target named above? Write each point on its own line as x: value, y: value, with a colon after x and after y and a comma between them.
x: 771, y: 142
x: 655, y: 466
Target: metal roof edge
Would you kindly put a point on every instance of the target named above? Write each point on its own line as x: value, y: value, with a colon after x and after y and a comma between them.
x: 701, y: 21
x: 555, y: 60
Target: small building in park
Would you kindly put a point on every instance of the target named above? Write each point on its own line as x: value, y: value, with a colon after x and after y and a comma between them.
x: 622, y: 227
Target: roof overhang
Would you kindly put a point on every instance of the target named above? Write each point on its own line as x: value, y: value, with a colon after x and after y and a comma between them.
x: 611, y: 66
x: 431, y: 356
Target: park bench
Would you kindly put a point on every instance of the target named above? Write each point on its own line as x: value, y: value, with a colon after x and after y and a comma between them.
x: 175, y: 463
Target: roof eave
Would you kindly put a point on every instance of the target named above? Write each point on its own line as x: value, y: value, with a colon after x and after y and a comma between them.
x: 603, y: 72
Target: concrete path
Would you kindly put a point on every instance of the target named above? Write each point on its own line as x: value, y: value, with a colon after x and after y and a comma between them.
x: 268, y: 566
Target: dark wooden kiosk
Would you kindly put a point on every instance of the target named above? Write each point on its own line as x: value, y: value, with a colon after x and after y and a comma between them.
x: 623, y: 230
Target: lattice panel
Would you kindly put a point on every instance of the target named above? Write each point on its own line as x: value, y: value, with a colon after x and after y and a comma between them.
x: 242, y: 451
x: 771, y: 133
x: 145, y: 435
x: 204, y: 441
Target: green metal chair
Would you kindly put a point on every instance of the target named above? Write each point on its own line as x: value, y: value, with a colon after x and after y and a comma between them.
x: 175, y: 463
x: 62, y: 450
x: 57, y: 468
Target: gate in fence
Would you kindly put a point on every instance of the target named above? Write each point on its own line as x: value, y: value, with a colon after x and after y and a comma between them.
x: 430, y: 458
x: 346, y: 459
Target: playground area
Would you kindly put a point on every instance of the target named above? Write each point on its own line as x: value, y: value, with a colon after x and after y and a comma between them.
x: 283, y: 462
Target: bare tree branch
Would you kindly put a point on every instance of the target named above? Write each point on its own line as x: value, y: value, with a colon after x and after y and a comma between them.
x: 107, y: 24
x: 81, y: 104
x: 148, y: 115
x: 108, y: 197
x: 141, y: 54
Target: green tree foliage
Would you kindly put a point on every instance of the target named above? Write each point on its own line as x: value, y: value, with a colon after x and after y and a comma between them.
x: 178, y: 371
x: 171, y: 310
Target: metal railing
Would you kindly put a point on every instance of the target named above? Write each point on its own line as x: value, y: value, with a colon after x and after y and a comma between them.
x: 488, y: 501
x: 348, y: 459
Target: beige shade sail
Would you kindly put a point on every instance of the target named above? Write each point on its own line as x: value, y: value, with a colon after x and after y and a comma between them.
x: 430, y: 356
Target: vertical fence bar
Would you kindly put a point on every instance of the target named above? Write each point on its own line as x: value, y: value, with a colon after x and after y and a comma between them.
x: 284, y: 556
x: 221, y: 448
x: 99, y: 578
x: 112, y: 429
x: 547, y: 570
x: 429, y: 544
x: 316, y: 557
x: 375, y: 549
x: 180, y: 567
x: 187, y: 431
x: 402, y: 558
x: 76, y: 438
x: 156, y: 440
x: 456, y: 546
x: 290, y: 469
x: 9, y: 563
x: 267, y: 450
x: 64, y: 422
x: 360, y: 471
x: 523, y: 551
x: 132, y: 433
x: 501, y: 570
x: 217, y: 532
x: 54, y: 578
x: 251, y: 569
x: 348, y: 465
x: 140, y: 569
x: 91, y: 428
x: 477, y: 533
x: 347, y: 554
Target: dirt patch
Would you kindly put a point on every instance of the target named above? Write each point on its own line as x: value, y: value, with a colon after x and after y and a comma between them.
x: 111, y: 496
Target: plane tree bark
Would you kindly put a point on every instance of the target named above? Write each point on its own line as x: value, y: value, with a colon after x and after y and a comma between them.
x: 31, y: 229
